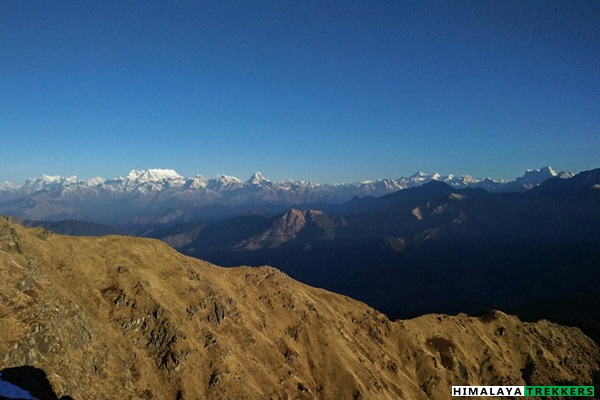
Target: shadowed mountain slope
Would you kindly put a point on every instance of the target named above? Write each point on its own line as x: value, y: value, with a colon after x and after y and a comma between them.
x: 77, y: 228
x: 434, y: 248
x: 128, y: 318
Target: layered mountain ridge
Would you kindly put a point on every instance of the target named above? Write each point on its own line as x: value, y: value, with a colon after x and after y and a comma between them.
x: 429, y: 248
x: 146, y: 322
x: 432, y: 248
x: 150, y: 192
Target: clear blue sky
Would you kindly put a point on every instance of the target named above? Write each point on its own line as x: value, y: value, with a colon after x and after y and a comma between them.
x: 327, y: 91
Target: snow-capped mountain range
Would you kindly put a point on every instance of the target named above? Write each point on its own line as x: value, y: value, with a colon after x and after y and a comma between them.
x: 57, y: 197
x: 164, y: 179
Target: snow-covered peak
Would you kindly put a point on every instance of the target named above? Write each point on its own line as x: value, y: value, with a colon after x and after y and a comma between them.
x: 134, y: 174
x: 565, y: 174
x: 47, y: 181
x: 198, y: 182
x: 97, y: 181
x: 227, y: 179
x: 43, y: 180
x: 547, y: 172
x: 470, y: 179
x: 10, y: 186
x: 153, y: 175
x: 419, y: 174
x: 533, y: 177
x: 464, y: 180
x: 257, y: 179
x: 419, y: 178
x: 224, y: 182
x: 536, y: 176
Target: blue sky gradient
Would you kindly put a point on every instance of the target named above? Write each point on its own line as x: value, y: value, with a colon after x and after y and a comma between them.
x: 328, y: 91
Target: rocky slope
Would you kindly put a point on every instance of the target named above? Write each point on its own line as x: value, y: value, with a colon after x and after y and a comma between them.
x: 128, y: 318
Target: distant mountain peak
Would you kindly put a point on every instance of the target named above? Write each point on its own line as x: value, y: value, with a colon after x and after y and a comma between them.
x: 534, y: 177
x: 228, y: 179
x: 418, y: 174
x: 257, y: 179
x: 153, y: 175
x: 547, y: 171
x: 95, y: 181
x: 563, y: 184
x: 44, y: 181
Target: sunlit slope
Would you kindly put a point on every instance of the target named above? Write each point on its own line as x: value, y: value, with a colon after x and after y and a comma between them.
x: 121, y: 317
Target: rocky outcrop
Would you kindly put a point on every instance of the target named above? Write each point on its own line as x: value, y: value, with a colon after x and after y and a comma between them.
x: 294, y: 224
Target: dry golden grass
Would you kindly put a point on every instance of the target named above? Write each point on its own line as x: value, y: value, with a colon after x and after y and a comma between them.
x: 128, y: 318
